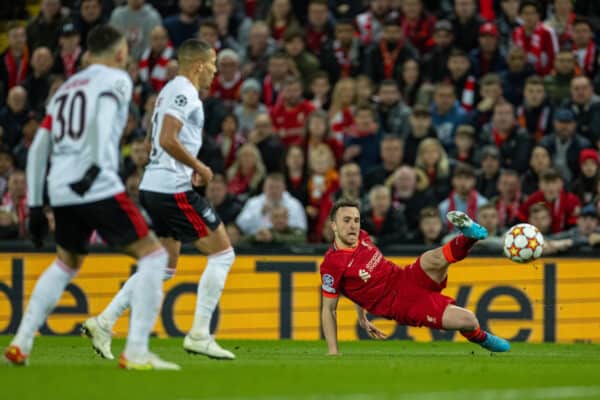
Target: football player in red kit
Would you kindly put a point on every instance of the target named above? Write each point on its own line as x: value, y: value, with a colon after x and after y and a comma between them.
x: 355, y: 267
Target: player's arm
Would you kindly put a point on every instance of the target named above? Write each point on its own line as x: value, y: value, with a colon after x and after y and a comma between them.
x: 37, y: 163
x: 329, y: 322
x: 169, y: 141
x: 367, y: 325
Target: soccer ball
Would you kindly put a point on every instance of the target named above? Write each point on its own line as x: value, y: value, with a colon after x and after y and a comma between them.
x: 523, y: 243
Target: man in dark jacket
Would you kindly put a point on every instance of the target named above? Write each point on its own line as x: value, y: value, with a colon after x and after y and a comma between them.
x: 434, y: 64
x: 586, y: 106
x: 44, y: 29
x: 384, y: 223
x: 466, y: 22
x: 565, y: 144
x: 227, y: 206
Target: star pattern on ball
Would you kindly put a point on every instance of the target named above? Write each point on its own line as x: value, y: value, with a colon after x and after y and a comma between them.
x: 514, y: 251
x: 533, y: 244
x: 517, y: 231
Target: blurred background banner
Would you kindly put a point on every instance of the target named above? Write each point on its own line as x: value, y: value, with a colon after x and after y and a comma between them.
x: 278, y: 297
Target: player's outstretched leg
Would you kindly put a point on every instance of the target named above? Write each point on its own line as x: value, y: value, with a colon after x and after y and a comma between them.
x: 466, y: 225
x: 210, y: 287
x: 463, y: 320
x: 46, y: 294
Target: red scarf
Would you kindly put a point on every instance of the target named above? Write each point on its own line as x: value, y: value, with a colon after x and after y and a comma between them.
x: 508, y: 212
x: 467, y: 100
x: 533, y: 46
x: 20, y: 208
x: 315, y: 40
x: 542, y: 124
x: 389, y: 59
x: 499, y: 138
x: 239, y: 184
x: 270, y: 95
x: 343, y: 59
x: 589, y: 59
x: 565, y: 37
x: 250, y: 8
x: 367, y: 26
x: 16, y: 75
x: 486, y: 10
x: 158, y: 75
x: 471, y: 205
x: 70, y: 61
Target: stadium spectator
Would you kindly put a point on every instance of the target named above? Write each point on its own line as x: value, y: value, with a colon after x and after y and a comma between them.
x: 535, y: 115
x: 487, y: 57
x: 246, y: 173
x: 131, y: 130
x: 14, y: 67
x: 586, y: 52
x: 432, y: 159
x: 318, y: 132
x: 209, y: 32
x: 562, y: 21
x: 370, y: 23
x: 585, y: 185
x: 280, y: 68
x: 7, y: 166
x: 319, y: 28
x: 507, y: 20
x: 230, y: 140
x: 488, y: 174
x: 185, y: 24
x: 214, y: 112
x: 249, y: 107
x: 323, y: 181
x: 586, y: 106
x: 37, y: 83
x: 132, y: 188
x: 381, y: 220
x: 389, y: 53
x: 296, y: 173
x: 365, y: 89
x: 343, y: 57
x: 391, y: 151
x: 435, y: 62
x: 136, y: 20
x: 362, y: 142
x: 44, y: 29
x: 585, y: 233
x: 565, y: 144
x: 392, y: 112
x: 513, y: 79
x: 233, y: 26
x: 539, y: 161
x: 465, y: 24
x: 464, y: 146
x: 13, y: 116
x: 268, y: 143
x: 89, y: 15
x: 306, y: 63
x: 135, y: 163
x: 289, y: 115
x: 446, y: 113
x: 558, y: 84
x: 154, y: 60
x: 320, y: 90
x: 490, y: 93
x: 227, y: 83
x: 28, y: 132
x: 255, y: 56
x: 512, y: 141
x: 540, y: 217
x: 487, y: 216
x: 419, y: 127
x: 417, y: 24
x: 538, y: 40
x: 68, y: 57
x: 459, y: 75
x: 411, y: 85
x: 280, y: 18
x: 279, y: 233
x: 256, y: 213
x: 564, y: 206
x: 141, y: 89
x: 431, y: 228
x: 509, y: 198
x: 14, y: 202
x: 464, y: 197
x: 226, y: 205
x: 342, y: 108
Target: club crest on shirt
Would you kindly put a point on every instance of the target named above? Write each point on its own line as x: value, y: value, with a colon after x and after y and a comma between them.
x: 328, y: 283
x: 180, y: 100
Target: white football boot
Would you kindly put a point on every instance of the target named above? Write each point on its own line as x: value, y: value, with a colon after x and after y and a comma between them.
x: 206, y: 346
x: 147, y: 362
x: 101, y: 337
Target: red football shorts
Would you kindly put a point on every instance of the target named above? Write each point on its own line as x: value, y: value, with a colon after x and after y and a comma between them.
x: 417, y: 299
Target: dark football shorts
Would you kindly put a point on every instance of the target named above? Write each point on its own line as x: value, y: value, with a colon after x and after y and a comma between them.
x: 418, y: 299
x: 117, y: 219
x: 182, y: 216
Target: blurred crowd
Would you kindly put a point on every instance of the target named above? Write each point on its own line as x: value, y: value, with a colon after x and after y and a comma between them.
x: 413, y: 107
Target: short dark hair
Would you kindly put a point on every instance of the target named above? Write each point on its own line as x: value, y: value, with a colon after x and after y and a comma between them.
x: 209, y: 23
x: 276, y: 176
x: 103, y: 38
x: 534, y: 80
x: 343, y: 202
x: 193, y: 48
x: 429, y: 212
x: 550, y: 175
x: 583, y: 20
x: 529, y: 3
x: 456, y: 52
x: 509, y: 172
x: 293, y: 33
x: 486, y: 206
x: 320, y: 74
x: 464, y: 170
x: 538, y: 207
x: 389, y: 82
x: 320, y: 2
x: 365, y: 107
x: 491, y: 79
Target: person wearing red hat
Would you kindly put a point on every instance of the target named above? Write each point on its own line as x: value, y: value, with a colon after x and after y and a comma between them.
x: 487, y: 57
x: 585, y: 185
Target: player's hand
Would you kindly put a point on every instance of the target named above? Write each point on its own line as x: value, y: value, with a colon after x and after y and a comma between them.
x: 85, y: 183
x: 205, y: 174
x: 373, y: 331
x: 37, y: 225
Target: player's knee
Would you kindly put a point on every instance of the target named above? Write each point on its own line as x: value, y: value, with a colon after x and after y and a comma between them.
x: 224, y: 258
x: 433, y: 260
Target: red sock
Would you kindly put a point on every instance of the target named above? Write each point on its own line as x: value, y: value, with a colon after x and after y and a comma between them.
x: 476, y: 336
x: 458, y: 248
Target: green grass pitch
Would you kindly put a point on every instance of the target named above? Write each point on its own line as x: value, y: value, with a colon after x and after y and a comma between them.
x: 66, y: 368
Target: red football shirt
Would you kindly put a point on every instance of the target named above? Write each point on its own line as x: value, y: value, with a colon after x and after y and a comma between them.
x: 289, y: 122
x: 362, y: 274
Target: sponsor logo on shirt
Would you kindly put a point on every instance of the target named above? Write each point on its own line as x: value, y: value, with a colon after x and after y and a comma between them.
x: 364, y: 275
x: 328, y: 282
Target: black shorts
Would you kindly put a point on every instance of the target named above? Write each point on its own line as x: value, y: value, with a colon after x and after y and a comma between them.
x: 117, y: 219
x: 182, y: 216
